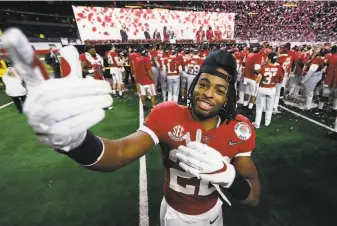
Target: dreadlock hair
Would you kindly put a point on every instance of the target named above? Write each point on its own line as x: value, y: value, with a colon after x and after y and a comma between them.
x: 228, y: 112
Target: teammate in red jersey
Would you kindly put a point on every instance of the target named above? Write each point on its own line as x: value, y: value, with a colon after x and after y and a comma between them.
x: 92, y: 63
x: 192, y: 67
x: 115, y: 71
x: 223, y: 139
x: 270, y: 75
x: 311, y: 79
x: 248, y: 85
x: 153, y: 54
x: 145, y: 78
x: 173, y: 66
x: 163, y: 73
x: 286, y: 63
x: 183, y: 77
x: 239, y: 56
x: 132, y: 57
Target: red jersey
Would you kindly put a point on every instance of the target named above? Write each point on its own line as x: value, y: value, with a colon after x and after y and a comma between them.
x: 271, y: 74
x: 239, y: 56
x: 172, y: 64
x: 94, y: 63
x: 251, y: 60
x: 286, y: 62
x: 142, y: 64
x: 217, y: 35
x: 203, y: 54
x: 193, y: 65
x: 111, y: 58
x: 167, y: 124
x: 152, y: 55
x: 186, y: 57
x: 132, y: 59
x: 318, y: 61
x: 331, y: 71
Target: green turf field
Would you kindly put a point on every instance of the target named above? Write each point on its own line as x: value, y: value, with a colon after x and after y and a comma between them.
x: 296, y: 163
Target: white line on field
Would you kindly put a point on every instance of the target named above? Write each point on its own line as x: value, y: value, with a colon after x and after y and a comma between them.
x: 309, y: 119
x: 5, y: 105
x: 143, y: 196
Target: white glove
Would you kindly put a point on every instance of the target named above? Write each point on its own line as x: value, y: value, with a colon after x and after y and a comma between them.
x: 59, y: 110
x: 206, y: 163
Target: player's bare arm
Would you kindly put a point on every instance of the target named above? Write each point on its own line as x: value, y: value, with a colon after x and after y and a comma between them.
x: 245, y: 167
x: 118, y: 153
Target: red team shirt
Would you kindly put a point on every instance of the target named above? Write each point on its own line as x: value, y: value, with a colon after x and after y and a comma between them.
x: 331, y: 71
x: 251, y: 60
x: 96, y: 65
x: 239, y: 56
x: 111, y: 58
x: 142, y: 64
x: 286, y: 62
x: 172, y: 63
x: 168, y: 122
x: 152, y: 55
x: 271, y: 74
x: 193, y: 65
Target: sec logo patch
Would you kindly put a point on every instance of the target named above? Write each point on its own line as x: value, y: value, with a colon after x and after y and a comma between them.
x: 177, y: 133
x: 243, y: 131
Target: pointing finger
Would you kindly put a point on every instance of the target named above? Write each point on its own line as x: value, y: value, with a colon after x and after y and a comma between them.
x: 26, y: 62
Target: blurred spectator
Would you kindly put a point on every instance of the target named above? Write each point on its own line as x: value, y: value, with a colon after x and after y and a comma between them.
x: 53, y: 61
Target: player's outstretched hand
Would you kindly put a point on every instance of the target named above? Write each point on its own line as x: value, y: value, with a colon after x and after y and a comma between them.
x: 59, y: 110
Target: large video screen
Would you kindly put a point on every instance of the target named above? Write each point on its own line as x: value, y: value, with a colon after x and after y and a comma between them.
x: 98, y: 23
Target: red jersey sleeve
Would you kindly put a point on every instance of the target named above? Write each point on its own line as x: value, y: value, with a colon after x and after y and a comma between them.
x: 153, y: 124
x: 82, y: 57
x: 247, y: 146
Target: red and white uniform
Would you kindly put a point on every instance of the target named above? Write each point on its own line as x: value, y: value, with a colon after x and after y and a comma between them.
x: 271, y: 75
x: 239, y: 56
x: 252, y: 60
x: 184, y: 194
x: 209, y: 35
x: 152, y: 55
x: 193, y: 65
x: 94, y: 64
x: 248, y: 85
x: 142, y: 65
x: 331, y: 71
x: 286, y: 62
x: 172, y: 64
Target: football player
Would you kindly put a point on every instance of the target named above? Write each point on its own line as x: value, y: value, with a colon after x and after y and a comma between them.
x: 312, y: 77
x: 250, y: 72
x: 153, y: 54
x: 199, y: 160
x: 270, y: 75
x: 115, y: 71
x: 145, y: 78
x: 92, y: 63
x: 173, y: 67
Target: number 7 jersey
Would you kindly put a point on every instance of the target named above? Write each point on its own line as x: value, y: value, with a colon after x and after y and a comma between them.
x: 167, y: 124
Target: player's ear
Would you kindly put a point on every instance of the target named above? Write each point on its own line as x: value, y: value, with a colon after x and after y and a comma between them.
x: 70, y: 63
x: 23, y: 56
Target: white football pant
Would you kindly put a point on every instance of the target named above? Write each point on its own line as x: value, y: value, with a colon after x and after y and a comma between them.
x: 264, y: 101
x: 116, y: 73
x: 173, y: 85
x: 248, y: 87
x: 310, y: 81
x: 163, y: 84
x: 155, y: 73
x: 144, y: 89
x: 171, y: 217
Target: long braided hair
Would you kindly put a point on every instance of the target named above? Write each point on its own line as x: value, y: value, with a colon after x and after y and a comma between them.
x: 228, y: 112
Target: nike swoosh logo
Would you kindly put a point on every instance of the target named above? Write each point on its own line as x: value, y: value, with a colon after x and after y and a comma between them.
x: 212, y: 222
x: 233, y: 143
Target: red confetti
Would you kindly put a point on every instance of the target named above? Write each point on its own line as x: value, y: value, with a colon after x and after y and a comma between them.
x: 80, y: 15
x: 106, y: 33
x: 90, y: 16
x: 107, y: 19
x: 99, y: 19
x: 94, y: 29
